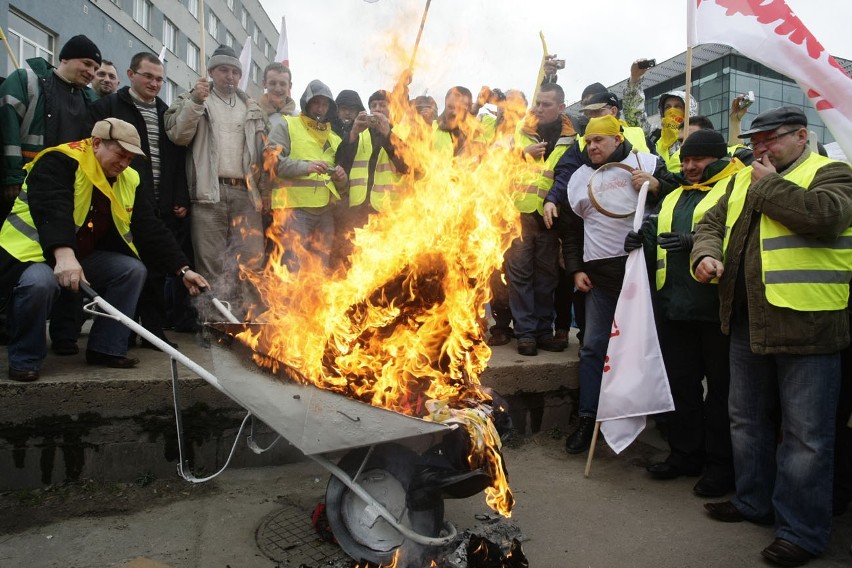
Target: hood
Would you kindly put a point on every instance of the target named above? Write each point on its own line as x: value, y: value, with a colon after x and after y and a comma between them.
x: 317, y: 88
x: 692, y: 107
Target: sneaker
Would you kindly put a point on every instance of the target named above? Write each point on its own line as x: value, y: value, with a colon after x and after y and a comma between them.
x: 580, y: 440
x: 527, y: 347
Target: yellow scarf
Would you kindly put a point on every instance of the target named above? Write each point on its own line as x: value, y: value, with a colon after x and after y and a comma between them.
x: 707, y: 185
x: 318, y: 130
x: 672, y: 119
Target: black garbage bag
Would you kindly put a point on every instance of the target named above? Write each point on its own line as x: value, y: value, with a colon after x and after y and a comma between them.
x: 482, y: 553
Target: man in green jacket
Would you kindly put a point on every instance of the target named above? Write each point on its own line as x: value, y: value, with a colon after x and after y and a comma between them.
x: 779, y: 242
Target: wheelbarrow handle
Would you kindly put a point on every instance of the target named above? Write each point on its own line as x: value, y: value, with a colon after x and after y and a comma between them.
x: 88, y: 290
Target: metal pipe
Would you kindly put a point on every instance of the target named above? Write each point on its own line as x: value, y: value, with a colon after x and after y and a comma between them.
x: 385, y: 514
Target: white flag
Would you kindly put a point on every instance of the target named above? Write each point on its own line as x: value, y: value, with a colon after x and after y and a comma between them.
x: 282, y: 54
x: 634, y: 381
x: 770, y: 33
x: 245, y: 61
x: 163, y: 55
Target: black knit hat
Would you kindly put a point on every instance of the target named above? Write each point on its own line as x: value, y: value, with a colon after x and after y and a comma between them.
x: 703, y: 143
x: 80, y: 47
x: 349, y: 98
x: 380, y: 95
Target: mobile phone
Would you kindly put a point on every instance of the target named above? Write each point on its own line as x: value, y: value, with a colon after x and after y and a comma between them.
x: 646, y: 63
x: 747, y: 100
x: 560, y: 63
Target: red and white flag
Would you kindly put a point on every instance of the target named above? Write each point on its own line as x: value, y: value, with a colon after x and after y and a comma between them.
x: 634, y: 381
x: 770, y: 33
x: 282, y: 54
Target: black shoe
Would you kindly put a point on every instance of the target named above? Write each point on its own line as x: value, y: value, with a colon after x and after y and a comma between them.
x: 726, y: 512
x: 148, y: 345
x: 498, y: 337
x: 527, y: 347
x: 113, y: 361
x: 65, y: 348
x: 22, y: 376
x: 580, y: 440
x: 711, y: 486
x: 668, y: 470
x: 550, y: 344
x: 785, y: 553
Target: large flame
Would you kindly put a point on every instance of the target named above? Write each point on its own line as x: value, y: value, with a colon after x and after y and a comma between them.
x: 401, y: 322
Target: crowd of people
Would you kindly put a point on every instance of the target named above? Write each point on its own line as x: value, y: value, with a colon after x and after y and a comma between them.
x: 747, y: 246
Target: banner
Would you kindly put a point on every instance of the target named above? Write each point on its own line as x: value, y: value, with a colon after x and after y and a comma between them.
x: 634, y: 381
x: 282, y: 54
x: 771, y: 34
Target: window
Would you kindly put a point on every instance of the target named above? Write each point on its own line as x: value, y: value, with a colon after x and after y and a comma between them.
x: 142, y: 12
x: 229, y: 39
x: 213, y: 25
x: 192, y: 6
x: 255, y: 72
x: 244, y: 18
x: 231, y: 5
x: 170, y: 92
x: 169, y: 35
x: 28, y: 39
x: 267, y: 47
x: 192, y: 55
x: 255, y: 35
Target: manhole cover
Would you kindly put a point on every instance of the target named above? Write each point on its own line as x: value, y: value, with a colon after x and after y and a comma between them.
x: 286, y: 535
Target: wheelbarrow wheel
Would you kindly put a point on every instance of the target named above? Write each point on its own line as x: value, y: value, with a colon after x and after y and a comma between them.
x: 361, y: 533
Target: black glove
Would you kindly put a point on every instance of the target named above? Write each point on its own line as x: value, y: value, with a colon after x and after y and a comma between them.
x: 676, y: 242
x: 633, y: 240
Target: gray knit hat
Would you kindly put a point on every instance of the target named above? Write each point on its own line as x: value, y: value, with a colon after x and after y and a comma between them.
x: 224, y: 55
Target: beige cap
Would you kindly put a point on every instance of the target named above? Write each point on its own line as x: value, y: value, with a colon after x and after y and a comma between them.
x: 122, y: 132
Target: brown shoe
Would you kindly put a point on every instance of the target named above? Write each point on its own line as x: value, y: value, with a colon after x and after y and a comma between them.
x: 562, y: 335
x: 550, y: 344
x: 527, y: 347
x: 498, y: 337
x: 113, y: 361
x: 785, y: 553
x: 22, y: 376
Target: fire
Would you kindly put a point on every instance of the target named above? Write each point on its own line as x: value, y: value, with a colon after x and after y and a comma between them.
x: 402, y: 322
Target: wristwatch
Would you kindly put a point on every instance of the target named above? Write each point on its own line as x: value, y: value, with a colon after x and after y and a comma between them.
x: 183, y: 271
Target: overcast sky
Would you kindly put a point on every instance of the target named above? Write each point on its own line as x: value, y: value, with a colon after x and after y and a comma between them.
x: 354, y: 44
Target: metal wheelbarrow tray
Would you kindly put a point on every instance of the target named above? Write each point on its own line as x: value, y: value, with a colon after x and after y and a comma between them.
x: 369, y: 514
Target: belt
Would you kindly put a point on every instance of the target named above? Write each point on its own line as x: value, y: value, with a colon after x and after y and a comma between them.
x: 237, y: 182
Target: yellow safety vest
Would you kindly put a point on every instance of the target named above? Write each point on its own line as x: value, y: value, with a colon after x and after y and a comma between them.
x: 360, y: 170
x: 312, y: 190
x: 799, y: 273
x: 386, y: 183
x: 19, y: 235
x: 386, y: 180
x: 531, y: 186
x: 672, y: 160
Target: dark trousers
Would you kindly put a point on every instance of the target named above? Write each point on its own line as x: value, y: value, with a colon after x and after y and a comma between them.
x: 66, y: 317
x: 699, y: 427
x: 567, y: 298
x: 843, y: 439
x: 500, y: 310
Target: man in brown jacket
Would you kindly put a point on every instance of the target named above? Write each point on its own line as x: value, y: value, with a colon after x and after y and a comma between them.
x: 780, y: 244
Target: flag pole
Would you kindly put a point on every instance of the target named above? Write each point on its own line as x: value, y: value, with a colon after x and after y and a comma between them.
x: 9, y: 49
x: 201, y: 50
x: 419, y: 34
x: 592, y: 449
x: 541, y: 67
x: 688, y: 87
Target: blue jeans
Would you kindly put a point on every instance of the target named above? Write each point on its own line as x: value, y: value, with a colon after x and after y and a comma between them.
x: 793, y: 480
x: 307, y: 233
x: 600, y: 311
x: 118, y: 278
x: 532, y: 264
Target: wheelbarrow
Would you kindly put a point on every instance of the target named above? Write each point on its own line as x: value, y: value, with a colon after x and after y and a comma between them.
x: 377, y: 501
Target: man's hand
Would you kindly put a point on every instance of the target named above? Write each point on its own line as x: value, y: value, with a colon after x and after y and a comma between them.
x: 195, y: 283
x: 551, y: 212
x: 382, y: 124
x: 708, y: 269
x: 676, y: 241
x: 582, y: 282
x: 317, y: 167
x: 640, y: 177
x: 633, y: 240
x: 201, y: 91
x: 67, y: 270
x: 635, y: 72
x: 338, y: 175
x: 10, y: 192
x: 536, y: 150
x: 359, y: 125
x: 550, y: 68
x: 179, y: 212
x: 761, y: 168
x: 738, y: 112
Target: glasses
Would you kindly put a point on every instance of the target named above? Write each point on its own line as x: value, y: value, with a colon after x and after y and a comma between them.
x: 771, y: 139
x: 149, y: 77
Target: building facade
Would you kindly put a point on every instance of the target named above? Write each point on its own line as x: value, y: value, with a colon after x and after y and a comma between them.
x: 720, y: 73
x: 122, y: 28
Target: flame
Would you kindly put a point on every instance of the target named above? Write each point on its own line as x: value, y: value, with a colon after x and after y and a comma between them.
x: 400, y: 323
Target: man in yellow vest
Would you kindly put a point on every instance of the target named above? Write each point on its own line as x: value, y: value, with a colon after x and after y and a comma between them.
x: 79, y: 219
x: 310, y: 180
x: 781, y: 245
x: 692, y: 344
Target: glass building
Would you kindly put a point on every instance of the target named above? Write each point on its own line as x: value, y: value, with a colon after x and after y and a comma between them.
x: 720, y: 73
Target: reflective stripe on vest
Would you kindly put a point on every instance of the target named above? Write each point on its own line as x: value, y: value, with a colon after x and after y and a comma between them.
x: 312, y: 190
x: 664, y: 221
x: 531, y: 186
x: 386, y: 183
x: 799, y: 273
x: 360, y: 169
x: 19, y: 235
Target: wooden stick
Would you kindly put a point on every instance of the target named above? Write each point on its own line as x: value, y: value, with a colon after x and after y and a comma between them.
x: 203, y: 52
x: 9, y: 49
x: 419, y: 34
x: 592, y: 449
x: 686, y: 104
